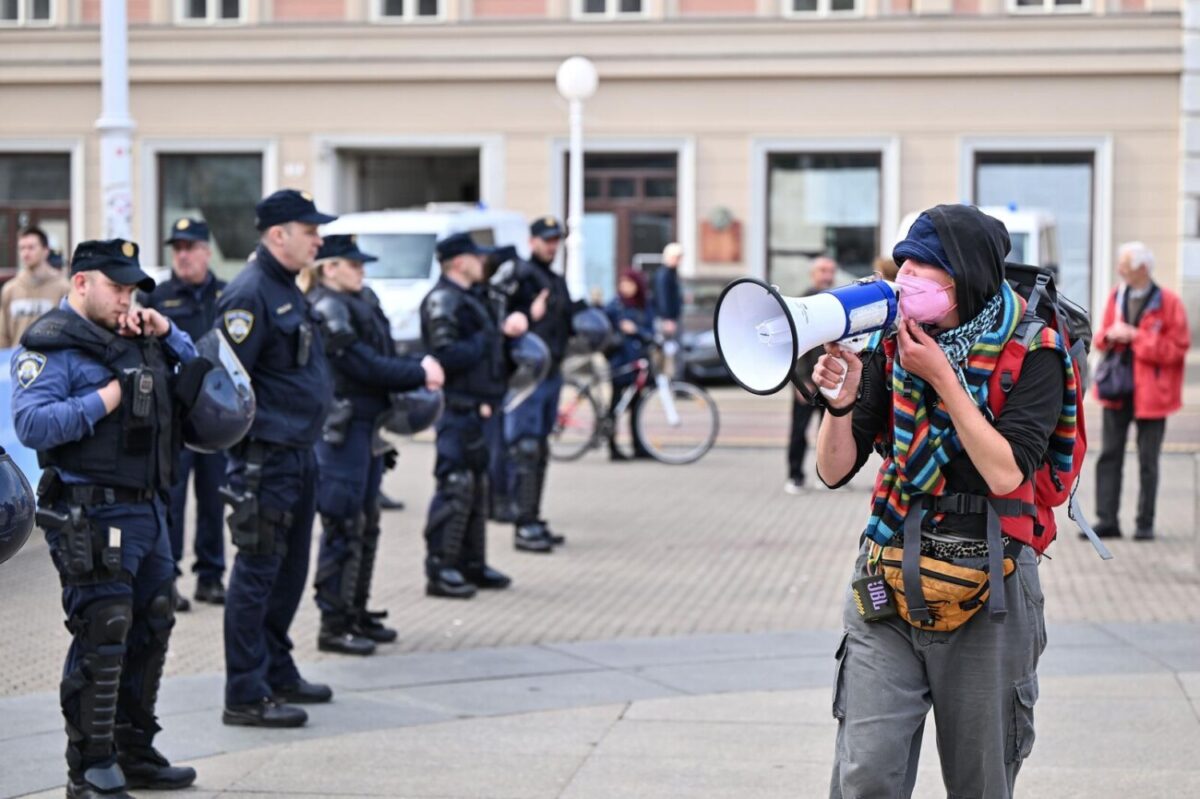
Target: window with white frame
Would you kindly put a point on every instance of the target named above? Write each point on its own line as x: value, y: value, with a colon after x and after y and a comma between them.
x: 822, y: 8
x: 408, y: 10
x: 202, y: 12
x: 609, y: 9
x: 1049, y: 6
x: 26, y: 12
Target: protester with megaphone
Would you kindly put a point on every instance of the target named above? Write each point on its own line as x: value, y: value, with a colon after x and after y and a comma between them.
x: 939, y: 542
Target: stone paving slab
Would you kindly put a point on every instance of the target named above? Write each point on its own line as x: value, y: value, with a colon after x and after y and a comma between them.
x: 646, y: 730
x: 708, y: 549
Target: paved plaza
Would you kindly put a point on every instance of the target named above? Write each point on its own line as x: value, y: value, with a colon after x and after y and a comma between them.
x: 680, y: 645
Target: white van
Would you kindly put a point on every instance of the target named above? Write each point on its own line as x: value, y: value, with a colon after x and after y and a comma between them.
x: 404, y: 243
x: 1033, y: 233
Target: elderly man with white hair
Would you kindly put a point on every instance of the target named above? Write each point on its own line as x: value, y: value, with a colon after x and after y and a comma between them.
x: 1144, y: 336
x: 668, y: 299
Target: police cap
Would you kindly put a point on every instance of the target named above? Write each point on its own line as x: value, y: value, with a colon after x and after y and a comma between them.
x: 188, y: 229
x: 343, y: 247
x: 288, y: 205
x: 458, y: 244
x: 546, y: 228
x: 116, y: 258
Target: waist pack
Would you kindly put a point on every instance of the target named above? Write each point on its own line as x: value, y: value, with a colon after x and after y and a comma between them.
x: 953, y: 593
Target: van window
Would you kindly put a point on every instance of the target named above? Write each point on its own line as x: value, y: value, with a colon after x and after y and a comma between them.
x: 402, y: 256
x: 1019, y: 251
x: 484, y: 236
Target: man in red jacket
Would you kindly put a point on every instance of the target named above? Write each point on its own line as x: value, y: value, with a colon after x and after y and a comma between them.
x: 1150, y: 321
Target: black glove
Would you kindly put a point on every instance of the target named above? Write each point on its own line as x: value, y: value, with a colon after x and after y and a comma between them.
x: 390, y: 459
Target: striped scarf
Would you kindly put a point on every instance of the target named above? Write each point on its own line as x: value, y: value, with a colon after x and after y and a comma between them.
x: 924, y: 440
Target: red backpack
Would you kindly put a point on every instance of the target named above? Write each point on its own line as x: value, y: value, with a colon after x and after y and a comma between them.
x: 1027, y: 514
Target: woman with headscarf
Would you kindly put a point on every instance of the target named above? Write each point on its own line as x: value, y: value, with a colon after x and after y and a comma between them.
x: 633, y: 322
x: 919, y: 397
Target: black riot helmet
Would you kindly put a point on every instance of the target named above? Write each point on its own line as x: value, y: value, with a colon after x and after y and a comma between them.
x: 414, y: 411
x: 16, y: 507
x: 222, y: 408
x: 530, y: 359
x: 593, y: 327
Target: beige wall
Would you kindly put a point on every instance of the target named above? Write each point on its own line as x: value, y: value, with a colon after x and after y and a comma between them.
x: 720, y: 87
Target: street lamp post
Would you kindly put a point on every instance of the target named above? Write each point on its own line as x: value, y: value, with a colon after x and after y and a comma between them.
x: 576, y: 81
x: 115, y: 124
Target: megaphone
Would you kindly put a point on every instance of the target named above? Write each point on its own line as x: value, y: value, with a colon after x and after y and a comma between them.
x: 761, y: 334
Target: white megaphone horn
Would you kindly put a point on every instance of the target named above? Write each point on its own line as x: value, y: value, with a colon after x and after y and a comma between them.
x: 761, y: 333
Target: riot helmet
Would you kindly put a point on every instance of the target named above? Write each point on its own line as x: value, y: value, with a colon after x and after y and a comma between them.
x: 593, y: 327
x: 414, y: 411
x: 223, y: 406
x: 530, y: 359
x: 16, y: 507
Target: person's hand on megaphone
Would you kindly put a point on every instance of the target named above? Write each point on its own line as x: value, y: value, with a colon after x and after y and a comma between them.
x: 838, y: 370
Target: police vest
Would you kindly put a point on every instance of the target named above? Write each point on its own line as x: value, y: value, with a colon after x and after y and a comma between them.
x: 371, y: 328
x: 555, y: 327
x: 135, y: 446
x: 488, y: 381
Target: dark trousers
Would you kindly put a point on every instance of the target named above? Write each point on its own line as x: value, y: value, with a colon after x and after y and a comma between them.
x: 209, y: 546
x: 462, y: 450
x: 265, y: 590
x: 802, y: 413
x: 350, y: 476
x: 1150, y: 434
x: 150, y: 571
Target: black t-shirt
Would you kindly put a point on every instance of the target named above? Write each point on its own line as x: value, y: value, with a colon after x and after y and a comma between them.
x: 1026, y: 422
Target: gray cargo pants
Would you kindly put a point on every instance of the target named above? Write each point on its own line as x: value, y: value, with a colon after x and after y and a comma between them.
x: 980, y: 680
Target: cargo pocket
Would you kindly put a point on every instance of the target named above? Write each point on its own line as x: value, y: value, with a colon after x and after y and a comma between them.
x: 839, y: 690
x: 1020, y: 733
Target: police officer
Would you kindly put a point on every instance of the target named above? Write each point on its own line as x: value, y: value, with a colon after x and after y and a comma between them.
x: 272, y: 473
x: 542, y: 295
x: 461, y: 329
x: 93, y: 393
x: 189, y: 300
x: 350, y: 455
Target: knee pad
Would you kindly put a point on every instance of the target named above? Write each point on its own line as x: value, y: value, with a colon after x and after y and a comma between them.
x: 160, y: 612
x: 525, y: 451
x: 105, y: 622
x: 460, y: 488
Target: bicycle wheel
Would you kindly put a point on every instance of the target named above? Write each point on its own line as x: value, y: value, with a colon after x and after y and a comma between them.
x: 678, y: 426
x: 575, y: 425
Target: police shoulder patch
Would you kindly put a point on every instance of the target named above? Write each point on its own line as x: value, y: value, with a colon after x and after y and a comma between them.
x: 29, y: 366
x: 238, y: 324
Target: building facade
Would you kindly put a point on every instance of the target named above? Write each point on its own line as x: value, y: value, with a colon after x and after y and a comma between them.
x: 757, y: 132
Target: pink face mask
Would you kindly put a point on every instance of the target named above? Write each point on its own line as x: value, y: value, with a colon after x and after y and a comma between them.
x: 924, y: 300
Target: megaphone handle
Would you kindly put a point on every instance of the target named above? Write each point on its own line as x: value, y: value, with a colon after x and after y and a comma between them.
x: 832, y: 393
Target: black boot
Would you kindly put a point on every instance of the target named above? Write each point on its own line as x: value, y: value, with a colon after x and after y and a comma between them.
x: 264, y: 713
x: 532, y: 537
x: 370, y: 625
x: 145, y: 767
x: 447, y: 582
x: 487, y: 578
x: 97, y: 782
x: 210, y: 591
x: 339, y: 636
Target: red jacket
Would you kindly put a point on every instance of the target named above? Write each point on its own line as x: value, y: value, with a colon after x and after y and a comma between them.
x: 1159, y: 350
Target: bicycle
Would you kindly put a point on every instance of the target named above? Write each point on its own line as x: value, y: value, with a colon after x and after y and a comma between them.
x: 676, y: 422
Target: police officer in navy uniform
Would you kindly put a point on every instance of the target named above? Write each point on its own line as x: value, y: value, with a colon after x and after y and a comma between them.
x: 272, y: 473
x: 541, y: 293
x: 460, y: 327
x: 189, y: 300
x: 94, y: 393
x: 350, y: 454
